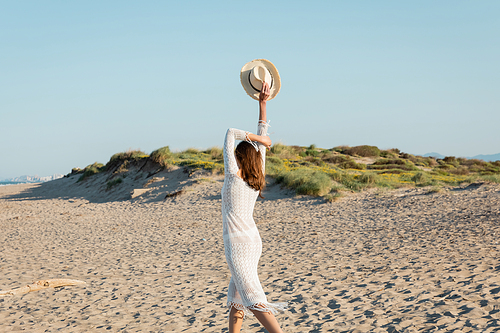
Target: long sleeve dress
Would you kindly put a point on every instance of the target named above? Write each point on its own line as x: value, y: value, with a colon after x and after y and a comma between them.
x: 242, y: 242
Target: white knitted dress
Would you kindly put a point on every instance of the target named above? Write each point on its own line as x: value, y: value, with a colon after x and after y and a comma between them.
x: 242, y: 242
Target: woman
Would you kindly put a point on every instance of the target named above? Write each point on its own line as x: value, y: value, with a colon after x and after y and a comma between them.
x: 244, y: 180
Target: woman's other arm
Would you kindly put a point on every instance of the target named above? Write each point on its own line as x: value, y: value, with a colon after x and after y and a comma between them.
x: 230, y: 164
x: 265, y: 140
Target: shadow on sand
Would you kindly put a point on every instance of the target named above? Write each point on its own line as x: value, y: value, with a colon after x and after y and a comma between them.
x: 169, y: 185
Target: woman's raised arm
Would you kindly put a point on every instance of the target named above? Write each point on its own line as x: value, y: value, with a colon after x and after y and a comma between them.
x: 261, y: 135
x: 264, y: 95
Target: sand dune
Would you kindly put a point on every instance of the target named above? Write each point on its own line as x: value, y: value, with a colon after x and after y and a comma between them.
x: 380, y: 261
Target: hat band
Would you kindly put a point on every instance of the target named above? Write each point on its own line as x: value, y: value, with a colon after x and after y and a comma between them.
x: 257, y: 90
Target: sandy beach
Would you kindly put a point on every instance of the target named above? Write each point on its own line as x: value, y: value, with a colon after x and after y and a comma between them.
x: 406, y: 260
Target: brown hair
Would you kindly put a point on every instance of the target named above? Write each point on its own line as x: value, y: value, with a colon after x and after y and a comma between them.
x: 251, y: 166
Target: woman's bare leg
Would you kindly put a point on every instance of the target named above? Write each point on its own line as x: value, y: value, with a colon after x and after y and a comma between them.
x: 268, y: 320
x: 235, y: 320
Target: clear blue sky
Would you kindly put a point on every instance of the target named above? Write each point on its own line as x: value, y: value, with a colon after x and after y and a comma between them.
x: 83, y: 80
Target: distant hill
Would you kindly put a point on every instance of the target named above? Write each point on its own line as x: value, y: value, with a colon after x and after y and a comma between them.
x: 436, y: 155
x: 487, y: 158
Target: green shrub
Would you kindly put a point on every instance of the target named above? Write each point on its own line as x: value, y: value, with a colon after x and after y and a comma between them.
x: 74, y: 171
x: 277, y: 148
x: 335, y: 159
x: 201, y: 164
x: 91, y: 169
x: 273, y: 160
x: 130, y: 155
x: 405, y: 155
x: 390, y: 161
x: 491, y: 178
x: 438, y: 172
x: 363, y: 151
x: 192, y: 151
x: 114, y: 182
x: 421, y: 161
x: 339, y: 149
x: 350, y: 164
x: 420, y: 178
x: 473, y: 162
x: 460, y: 171
x: 430, y: 161
x: 445, y: 166
x: 452, y: 160
x: 368, y: 178
x: 394, y: 151
x: 123, y: 167
x: 215, y: 153
x: 484, y: 168
x: 310, y: 160
x: 311, y: 152
x: 389, y: 153
x: 274, y: 166
x: 332, y: 197
x: 306, y: 181
x: 161, y: 155
x: 392, y: 171
x: 393, y: 163
x: 348, y: 181
x: 288, y: 152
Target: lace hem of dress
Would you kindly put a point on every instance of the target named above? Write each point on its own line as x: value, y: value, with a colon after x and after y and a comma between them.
x: 274, y: 308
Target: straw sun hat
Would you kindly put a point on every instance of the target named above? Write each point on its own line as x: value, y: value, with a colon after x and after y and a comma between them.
x: 255, y: 73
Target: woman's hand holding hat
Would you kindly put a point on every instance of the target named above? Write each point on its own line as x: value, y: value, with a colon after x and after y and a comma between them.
x: 255, y: 73
x: 264, y: 93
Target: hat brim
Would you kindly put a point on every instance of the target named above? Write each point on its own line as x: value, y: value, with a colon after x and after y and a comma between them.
x: 245, y: 78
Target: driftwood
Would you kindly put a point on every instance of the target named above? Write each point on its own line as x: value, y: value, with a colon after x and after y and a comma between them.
x: 174, y: 194
x: 41, y: 284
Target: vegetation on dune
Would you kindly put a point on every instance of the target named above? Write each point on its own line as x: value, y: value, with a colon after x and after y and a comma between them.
x: 128, y: 156
x: 362, y: 151
x: 304, y: 169
x: 90, y: 170
x: 393, y: 163
x: 306, y: 181
x: 322, y: 172
x: 114, y: 182
x: 210, y: 159
x: 161, y: 156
